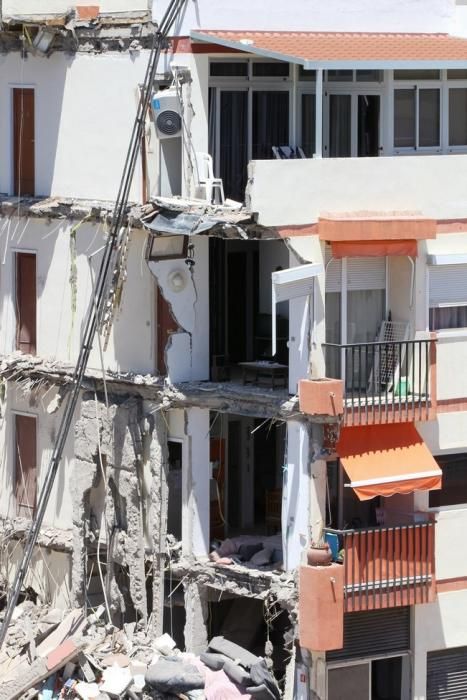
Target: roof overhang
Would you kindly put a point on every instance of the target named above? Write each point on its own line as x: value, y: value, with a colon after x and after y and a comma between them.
x: 334, y: 51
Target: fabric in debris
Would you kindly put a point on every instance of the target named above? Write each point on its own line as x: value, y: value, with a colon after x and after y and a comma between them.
x: 171, y: 675
x: 236, y: 673
x: 261, y: 675
x: 233, y: 651
x: 213, y: 661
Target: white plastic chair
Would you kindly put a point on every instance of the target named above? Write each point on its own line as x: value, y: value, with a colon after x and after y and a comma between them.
x: 206, y: 178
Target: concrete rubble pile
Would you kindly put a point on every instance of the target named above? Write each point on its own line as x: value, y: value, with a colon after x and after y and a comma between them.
x: 51, y: 654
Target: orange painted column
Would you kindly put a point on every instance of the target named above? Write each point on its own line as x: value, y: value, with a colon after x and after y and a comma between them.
x: 321, y: 607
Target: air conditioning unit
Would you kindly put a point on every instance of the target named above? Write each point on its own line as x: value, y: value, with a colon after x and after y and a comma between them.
x: 166, y: 108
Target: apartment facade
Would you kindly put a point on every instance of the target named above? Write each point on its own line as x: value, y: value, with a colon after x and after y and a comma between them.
x: 283, y: 358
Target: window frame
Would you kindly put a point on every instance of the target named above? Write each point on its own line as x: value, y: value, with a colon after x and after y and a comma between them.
x: 454, y: 506
x: 416, y: 86
x: 442, y: 305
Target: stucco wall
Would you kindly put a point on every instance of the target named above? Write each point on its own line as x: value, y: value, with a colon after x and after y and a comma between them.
x: 315, y: 15
x: 59, y: 510
x: 451, y: 532
x: 85, y: 106
x: 431, y: 185
x: 59, y: 327
x: 437, y: 626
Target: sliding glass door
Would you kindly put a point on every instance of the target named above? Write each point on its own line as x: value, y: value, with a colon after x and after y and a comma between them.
x: 353, y: 125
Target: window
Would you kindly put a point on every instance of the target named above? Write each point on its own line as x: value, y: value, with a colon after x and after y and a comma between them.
x: 454, y: 489
x: 167, y: 247
x: 340, y: 76
x: 369, y: 76
x: 457, y: 74
x: 416, y: 74
x: 229, y: 69
x: 25, y: 465
x: 26, y: 303
x: 416, y: 117
x: 447, y: 296
x: 23, y: 141
x: 273, y: 69
x: 304, y: 74
x: 458, y: 116
x: 308, y: 124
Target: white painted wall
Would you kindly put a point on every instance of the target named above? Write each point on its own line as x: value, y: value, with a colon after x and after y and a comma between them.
x: 195, y: 527
x: 430, y: 185
x: 188, y: 351
x: 446, y: 434
x: 437, y: 626
x: 31, y: 7
x: 59, y: 512
x: 451, y: 530
x: 314, y: 15
x: 451, y: 359
x: 131, y: 346
x: 85, y: 107
x: 295, y: 495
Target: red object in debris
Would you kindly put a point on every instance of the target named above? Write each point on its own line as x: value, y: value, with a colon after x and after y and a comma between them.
x: 61, y: 653
x: 87, y: 11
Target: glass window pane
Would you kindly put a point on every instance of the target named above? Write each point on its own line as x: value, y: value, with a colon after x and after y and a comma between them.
x: 270, y: 122
x: 306, y: 74
x: 368, y: 125
x: 458, y: 116
x: 428, y: 117
x: 339, y: 126
x: 447, y: 317
x: 457, y: 74
x: 229, y: 69
x: 369, y: 76
x: 233, y: 152
x: 416, y: 75
x: 340, y: 76
x: 308, y: 125
x: 404, y: 118
x: 276, y: 69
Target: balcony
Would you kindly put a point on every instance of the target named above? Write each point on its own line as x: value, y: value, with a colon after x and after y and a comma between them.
x: 387, y: 567
x: 431, y: 185
x: 384, y: 382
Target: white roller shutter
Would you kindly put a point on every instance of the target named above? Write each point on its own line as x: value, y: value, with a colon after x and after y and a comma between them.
x: 362, y: 273
x: 448, y: 285
x: 289, y: 284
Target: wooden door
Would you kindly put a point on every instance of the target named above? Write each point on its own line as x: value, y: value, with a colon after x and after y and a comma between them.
x: 166, y: 325
x: 23, y: 141
x: 26, y: 303
x: 25, y: 465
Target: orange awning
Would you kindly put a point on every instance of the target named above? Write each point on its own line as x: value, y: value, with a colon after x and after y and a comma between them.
x: 382, y: 460
x: 359, y: 249
x: 376, y: 229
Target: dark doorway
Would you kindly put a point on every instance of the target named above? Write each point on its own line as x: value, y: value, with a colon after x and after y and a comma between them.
x: 368, y: 125
x: 23, y: 141
x: 174, y: 483
x: 26, y: 303
x: 386, y: 679
x: 233, y: 152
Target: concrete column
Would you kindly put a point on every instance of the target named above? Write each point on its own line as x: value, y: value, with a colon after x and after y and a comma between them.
x: 195, y: 527
x: 318, y: 676
x: 318, y: 478
x: 196, y: 608
x: 295, y: 498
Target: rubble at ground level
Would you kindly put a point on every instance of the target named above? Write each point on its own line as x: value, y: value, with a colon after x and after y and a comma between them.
x: 51, y: 654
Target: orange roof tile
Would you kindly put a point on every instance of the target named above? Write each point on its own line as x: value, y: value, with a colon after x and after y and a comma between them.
x: 315, y: 49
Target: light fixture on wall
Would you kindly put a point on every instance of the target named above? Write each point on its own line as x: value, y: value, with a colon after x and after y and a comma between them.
x: 167, y: 247
x: 177, y: 280
x: 43, y: 40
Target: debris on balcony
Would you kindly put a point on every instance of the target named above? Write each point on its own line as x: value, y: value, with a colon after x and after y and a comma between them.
x: 251, y: 551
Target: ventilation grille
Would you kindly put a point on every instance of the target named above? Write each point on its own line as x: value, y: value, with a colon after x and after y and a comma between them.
x: 169, y: 122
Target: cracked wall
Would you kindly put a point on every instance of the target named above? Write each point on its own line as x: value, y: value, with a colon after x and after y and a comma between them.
x: 186, y: 289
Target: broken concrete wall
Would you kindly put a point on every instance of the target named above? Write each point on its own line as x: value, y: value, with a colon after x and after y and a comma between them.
x: 82, y: 121
x: 109, y: 446
x: 64, y: 285
x: 186, y: 289
x: 30, y: 7
x: 49, y: 573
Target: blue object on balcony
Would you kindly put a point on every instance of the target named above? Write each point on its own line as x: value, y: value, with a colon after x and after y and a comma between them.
x: 332, y: 539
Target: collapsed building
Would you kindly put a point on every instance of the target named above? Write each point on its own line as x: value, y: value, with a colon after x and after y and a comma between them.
x: 273, y: 366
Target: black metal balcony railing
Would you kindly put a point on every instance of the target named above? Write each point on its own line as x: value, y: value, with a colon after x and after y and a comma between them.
x: 387, y: 566
x: 383, y: 381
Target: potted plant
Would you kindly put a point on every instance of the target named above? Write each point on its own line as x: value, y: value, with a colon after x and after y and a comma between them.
x: 319, y: 553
